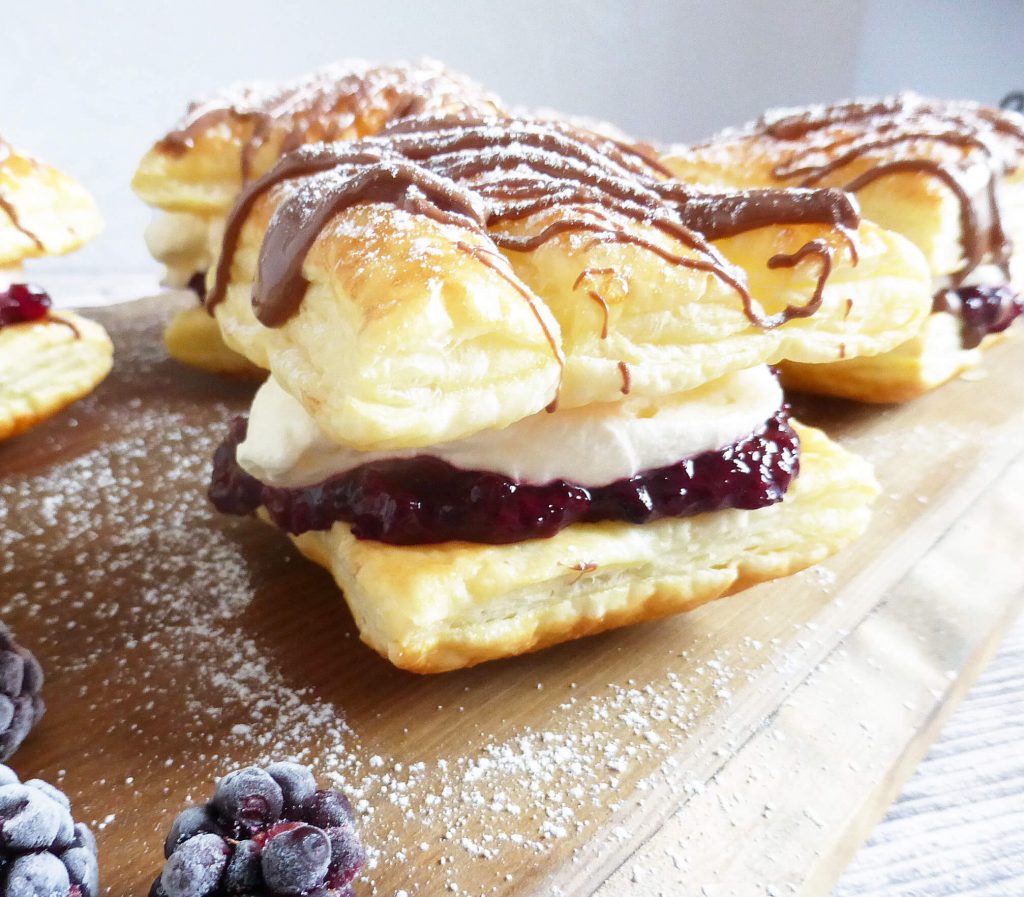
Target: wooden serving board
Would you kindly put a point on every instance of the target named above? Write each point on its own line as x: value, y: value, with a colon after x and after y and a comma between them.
x: 742, y: 749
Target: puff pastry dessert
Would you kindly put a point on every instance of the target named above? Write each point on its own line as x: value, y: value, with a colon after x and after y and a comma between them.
x: 519, y: 382
x: 946, y: 174
x: 194, y: 173
x: 48, y: 358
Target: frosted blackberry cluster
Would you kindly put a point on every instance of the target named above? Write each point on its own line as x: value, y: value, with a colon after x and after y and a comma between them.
x: 265, y: 832
x: 21, y: 680
x: 43, y: 851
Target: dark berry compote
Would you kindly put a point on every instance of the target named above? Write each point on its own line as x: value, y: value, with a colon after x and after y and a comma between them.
x: 981, y: 309
x: 425, y: 500
x: 22, y: 302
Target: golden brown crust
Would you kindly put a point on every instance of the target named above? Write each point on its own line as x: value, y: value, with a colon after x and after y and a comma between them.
x: 46, y: 365
x: 426, y: 343
x: 434, y: 608
x: 970, y: 141
x: 195, y: 172
x: 983, y: 156
x: 193, y: 338
x: 933, y: 357
x: 239, y: 134
x: 42, y: 211
x: 414, y: 321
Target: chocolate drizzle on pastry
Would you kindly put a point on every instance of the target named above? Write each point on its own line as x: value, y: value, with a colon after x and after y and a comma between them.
x: 482, y: 173
x: 7, y: 207
x: 908, y: 133
x: 340, y: 102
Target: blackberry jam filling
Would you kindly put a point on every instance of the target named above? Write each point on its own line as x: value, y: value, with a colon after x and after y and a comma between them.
x: 981, y: 309
x: 425, y: 500
x: 22, y: 302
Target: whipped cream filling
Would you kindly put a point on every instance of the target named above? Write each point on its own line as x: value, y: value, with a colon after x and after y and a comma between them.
x: 182, y: 242
x: 592, y: 446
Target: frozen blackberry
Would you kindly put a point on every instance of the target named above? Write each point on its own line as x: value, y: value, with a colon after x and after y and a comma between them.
x: 265, y: 832
x: 43, y: 851
x: 21, y: 680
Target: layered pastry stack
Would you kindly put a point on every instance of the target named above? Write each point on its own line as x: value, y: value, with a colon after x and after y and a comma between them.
x: 48, y: 359
x: 193, y: 175
x: 519, y: 387
x: 946, y: 174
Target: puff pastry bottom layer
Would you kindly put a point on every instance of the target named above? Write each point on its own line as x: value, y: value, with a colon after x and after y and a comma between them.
x: 44, y: 367
x: 919, y: 365
x: 443, y: 607
x: 193, y: 338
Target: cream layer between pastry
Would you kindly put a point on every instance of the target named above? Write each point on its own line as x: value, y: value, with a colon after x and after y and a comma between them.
x: 593, y: 445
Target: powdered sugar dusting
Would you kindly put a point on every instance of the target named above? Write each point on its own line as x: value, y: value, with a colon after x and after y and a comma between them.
x: 180, y: 644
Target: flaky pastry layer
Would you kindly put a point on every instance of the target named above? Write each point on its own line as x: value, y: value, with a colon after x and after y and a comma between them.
x: 244, y: 130
x: 442, y: 607
x: 185, y: 243
x: 932, y: 357
x: 913, y: 203
x: 42, y: 211
x: 194, y: 174
x: 193, y: 338
x: 428, y: 344
x: 403, y: 339
x: 938, y: 165
x: 44, y: 367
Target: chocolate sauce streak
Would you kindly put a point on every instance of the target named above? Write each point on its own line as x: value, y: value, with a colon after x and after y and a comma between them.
x: 729, y: 214
x: 50, y: 319
x: 904, y: 131
x: 482, y: 174
x: 197, y: 284
x: 279, y: 286
x: 627, y: 378
x: 7, y: 207
x: 340, y: 102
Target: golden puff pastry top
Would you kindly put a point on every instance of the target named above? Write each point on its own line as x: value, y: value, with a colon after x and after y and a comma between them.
x: 42, y: 211
x: 228, y: 140
x: 946, y: 174
x: 455, y: 275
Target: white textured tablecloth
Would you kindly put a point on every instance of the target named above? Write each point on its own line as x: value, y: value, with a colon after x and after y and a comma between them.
x: 958, y: 826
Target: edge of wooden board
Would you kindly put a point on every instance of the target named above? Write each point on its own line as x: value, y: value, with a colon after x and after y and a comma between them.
x: 900, y: 674
x: 699, y: 809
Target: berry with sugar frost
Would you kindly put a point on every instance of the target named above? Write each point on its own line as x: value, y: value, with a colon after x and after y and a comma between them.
x: 265, y: 833
x: 43, y: 851
x: 21, y: 680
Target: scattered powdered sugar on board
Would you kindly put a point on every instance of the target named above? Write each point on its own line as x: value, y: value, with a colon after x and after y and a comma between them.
x: 165, y: 568
x: 182, y: 644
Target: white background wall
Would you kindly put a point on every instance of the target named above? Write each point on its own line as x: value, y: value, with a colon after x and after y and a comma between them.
x: 89, y: 85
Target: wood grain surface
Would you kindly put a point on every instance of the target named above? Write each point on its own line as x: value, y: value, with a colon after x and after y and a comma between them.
x: 958, y: 825
x: 180, y: 644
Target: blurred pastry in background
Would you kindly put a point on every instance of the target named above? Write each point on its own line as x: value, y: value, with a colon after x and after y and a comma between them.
x: 193, y: 174
x: 48, y: 358
x: 945, y: 174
